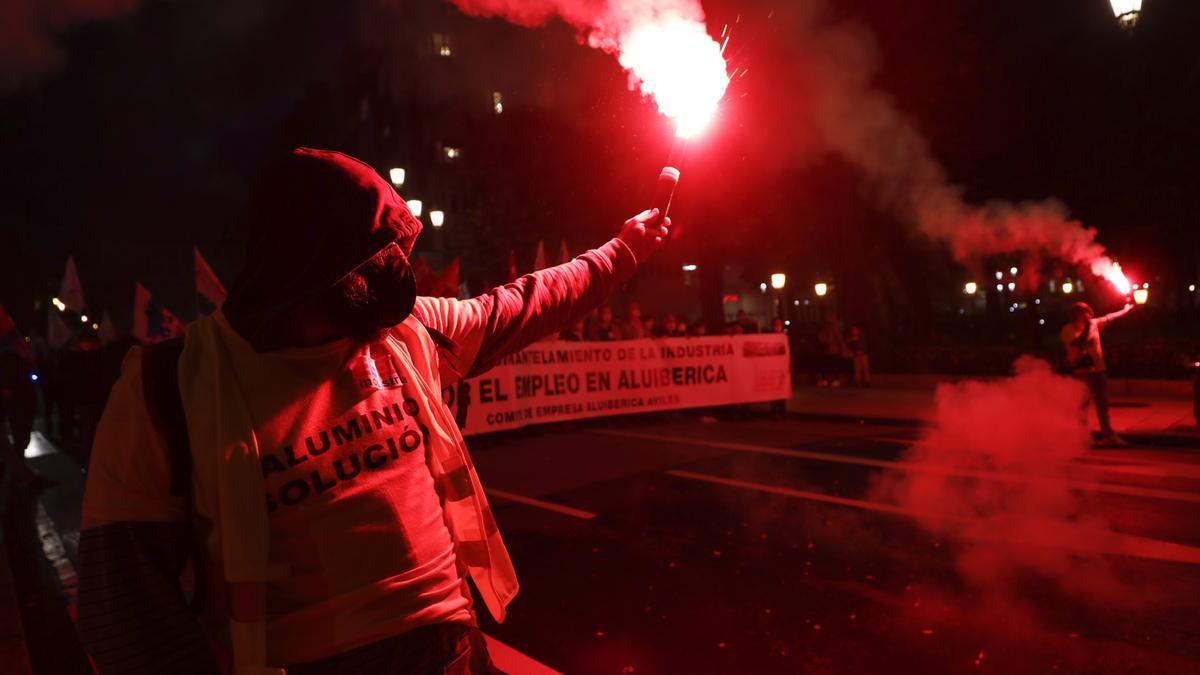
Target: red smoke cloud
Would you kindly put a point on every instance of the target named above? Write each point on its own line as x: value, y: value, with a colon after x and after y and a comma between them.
x: 1029, y: 429
x: 865, y: 127
x: 601, y: 23
x: 663, y: 44
x: 28, y: 29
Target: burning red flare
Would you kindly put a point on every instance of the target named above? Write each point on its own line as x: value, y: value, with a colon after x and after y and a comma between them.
x: 1112, y: 272
x: 677, y: 62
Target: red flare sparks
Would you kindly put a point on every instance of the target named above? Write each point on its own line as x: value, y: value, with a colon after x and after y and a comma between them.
x: 677, y: 62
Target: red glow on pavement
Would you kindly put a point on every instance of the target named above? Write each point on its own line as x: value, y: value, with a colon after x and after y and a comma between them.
x: 677, y: 62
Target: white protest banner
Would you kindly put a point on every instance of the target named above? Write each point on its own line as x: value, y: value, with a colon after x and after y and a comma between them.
x: 558, y: 381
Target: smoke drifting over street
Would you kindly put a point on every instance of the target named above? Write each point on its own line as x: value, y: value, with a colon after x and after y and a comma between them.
x: 994, y: 478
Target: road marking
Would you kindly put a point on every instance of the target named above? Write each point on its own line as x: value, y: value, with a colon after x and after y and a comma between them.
x: 1104, y: 461
x: 900, y: 465
x: 1054, y: 535
x: 513, y: 662
x: 549, y: 506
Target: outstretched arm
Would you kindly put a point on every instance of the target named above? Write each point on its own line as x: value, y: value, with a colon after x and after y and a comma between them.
x: 513, y: 316
x: 1103, y: 321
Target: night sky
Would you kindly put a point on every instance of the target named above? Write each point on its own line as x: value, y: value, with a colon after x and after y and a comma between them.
x: 143, y: 139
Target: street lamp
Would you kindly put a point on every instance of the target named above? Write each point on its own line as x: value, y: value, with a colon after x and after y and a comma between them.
x: 437, y: 217
x: 1068, y: 287
x: 820, y: 288
x: 397, y: 176
x: 970, y: 288
x: 416, y: 206
x: 1127, y: 12
x: 778, y: 280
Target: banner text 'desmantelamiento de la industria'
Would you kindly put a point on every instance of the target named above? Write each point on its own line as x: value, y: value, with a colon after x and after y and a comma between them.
x: 558, y: 381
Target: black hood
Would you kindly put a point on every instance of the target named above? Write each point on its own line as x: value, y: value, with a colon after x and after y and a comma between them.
x: 313, y: 218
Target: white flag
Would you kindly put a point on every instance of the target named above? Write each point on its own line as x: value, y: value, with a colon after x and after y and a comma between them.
x: 539, y: 261
x: 208, y: 286
x: 151, y: 321
x: 57, y: 333
x: 71, y: 291
x: 108, y: 332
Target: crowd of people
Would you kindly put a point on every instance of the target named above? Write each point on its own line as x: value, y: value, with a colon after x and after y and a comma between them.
x: 835, y: 355
x: 65, y: 387
x: 603, y: 325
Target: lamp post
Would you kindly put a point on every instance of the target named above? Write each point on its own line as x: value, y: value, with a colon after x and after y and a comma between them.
x: 1141, y: 295
x: 1127, y: 12
x: 778, y: 281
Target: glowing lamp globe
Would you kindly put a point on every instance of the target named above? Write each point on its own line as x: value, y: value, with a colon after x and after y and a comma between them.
x: 416, y: 206
x: 1068, y: 287
x: 778, y: 280
x: 1127, y: 11
x: 437, y: 217
x: 1141, y: 295
x: 396, y: 175
x: 970, y: 288
x: 821, y: 289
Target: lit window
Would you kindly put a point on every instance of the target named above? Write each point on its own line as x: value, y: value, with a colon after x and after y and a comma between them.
x: 441, y: 44
x: 497, y: 102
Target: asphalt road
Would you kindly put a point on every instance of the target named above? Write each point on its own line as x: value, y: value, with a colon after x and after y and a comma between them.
x: 671, y: 544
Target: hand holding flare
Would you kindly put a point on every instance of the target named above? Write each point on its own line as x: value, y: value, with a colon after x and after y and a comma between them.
x: 683, y: 68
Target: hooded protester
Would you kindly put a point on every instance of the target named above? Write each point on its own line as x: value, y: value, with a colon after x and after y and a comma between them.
x: 1085, y: 359
x: 335, y: 508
